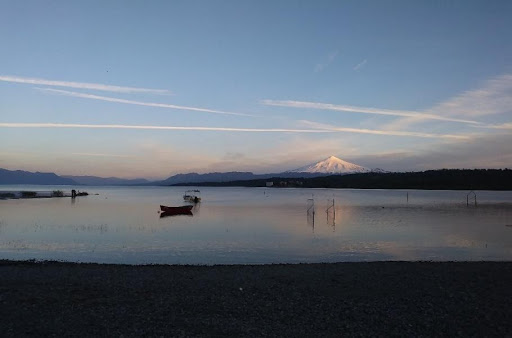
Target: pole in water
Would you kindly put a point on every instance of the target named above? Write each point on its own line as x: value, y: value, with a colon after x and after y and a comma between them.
x: 473, y: 194
x: 407, y: 197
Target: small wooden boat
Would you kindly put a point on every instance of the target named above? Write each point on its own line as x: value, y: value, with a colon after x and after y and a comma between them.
x: 177, y: 210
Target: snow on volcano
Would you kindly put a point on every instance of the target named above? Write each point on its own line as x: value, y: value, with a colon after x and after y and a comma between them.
x: 332, y: 165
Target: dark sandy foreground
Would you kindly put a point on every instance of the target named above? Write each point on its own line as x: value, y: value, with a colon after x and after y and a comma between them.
x: 386, y: 298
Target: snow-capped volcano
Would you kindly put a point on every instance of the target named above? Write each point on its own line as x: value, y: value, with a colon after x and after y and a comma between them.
x: 332, y: 165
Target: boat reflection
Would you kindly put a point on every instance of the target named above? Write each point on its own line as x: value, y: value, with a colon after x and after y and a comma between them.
x: 170, y: 213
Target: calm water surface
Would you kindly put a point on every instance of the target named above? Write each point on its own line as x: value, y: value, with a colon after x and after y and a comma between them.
x: 256, y: 225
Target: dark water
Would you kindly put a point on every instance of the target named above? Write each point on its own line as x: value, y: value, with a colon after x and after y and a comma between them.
x: 257, y: 225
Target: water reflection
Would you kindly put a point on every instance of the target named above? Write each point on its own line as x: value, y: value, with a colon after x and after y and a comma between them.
x: 175, y: 214
x: 331, y: 215
x: 242, y: 225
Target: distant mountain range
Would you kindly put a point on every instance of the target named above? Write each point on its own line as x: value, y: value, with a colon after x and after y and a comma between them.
x: 26, y: 177
x: 227, y: 177
x: 94, y: 180
x: 329, y: 166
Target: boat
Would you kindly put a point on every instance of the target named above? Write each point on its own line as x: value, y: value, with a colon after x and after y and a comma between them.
x: 192, y: 196
x: 175, y: 211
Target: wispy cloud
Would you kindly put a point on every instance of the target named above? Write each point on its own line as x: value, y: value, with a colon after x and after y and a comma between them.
x: 360, y: 65
x: 330, y: 58
x: 122, y: 126
x: 506, y: 126
x: 138, y: 103
x: 82, y: 85
x: 383, y: 132
x: 493, y: 97
x: 101, y: 155
x: 317, y: 128
x: 482, y: 151
x: 362, y: 110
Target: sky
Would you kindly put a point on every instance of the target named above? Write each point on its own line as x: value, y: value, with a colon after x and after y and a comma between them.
x: 155, y: 88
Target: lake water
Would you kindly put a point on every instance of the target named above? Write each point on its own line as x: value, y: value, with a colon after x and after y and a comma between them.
x: 256, y: 225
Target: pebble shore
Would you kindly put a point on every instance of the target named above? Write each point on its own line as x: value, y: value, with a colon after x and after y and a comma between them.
x: 314, y: 300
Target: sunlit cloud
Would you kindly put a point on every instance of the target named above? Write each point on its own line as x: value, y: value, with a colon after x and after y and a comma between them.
x: 138, y: 103
x: 82, y: 85
x: 383, y: 132
x: 318, y: 128
x: 360, y: 65
x: 482, y: 151
x: 493, y: 97
x: 121, y: 126
x: 506, y: 126
x: 101, y: 155
x: 361, y: 110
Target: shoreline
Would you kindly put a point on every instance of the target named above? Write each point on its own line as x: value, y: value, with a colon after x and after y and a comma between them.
x: 321, y: 299
x: 38, y: 194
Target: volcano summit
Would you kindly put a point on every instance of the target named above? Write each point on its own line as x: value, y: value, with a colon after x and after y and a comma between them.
x: 331, y: 165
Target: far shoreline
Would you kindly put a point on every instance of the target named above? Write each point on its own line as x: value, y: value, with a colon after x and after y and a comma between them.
x: 441, y: 179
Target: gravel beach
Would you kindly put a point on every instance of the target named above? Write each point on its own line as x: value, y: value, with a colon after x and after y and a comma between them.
x: 340, y: 299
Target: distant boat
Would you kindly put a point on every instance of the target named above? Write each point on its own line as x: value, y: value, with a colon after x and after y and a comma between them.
x: 174, y: 211
x: 192, y: 196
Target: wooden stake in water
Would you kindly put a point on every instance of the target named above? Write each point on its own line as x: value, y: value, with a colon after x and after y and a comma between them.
x: 473, y: 194
x: 333, y: 209
x: 333, y: 216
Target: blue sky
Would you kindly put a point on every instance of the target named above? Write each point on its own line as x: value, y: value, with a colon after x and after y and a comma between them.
x: 149, y: 89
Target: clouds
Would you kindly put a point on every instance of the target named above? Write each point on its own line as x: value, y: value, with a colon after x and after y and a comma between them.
x: 360, y: 65
x: 169, y: 128
x: 102, y: 155
x: 308, y: 138
x: 83, y: 85
x: 483, y: 145
x: 317, y: 129
x: 384, y: 132
x: 361, y: 110
x: 109, y: 88
x: 494, y: 97
x: 483, y: 151
x: 138, y: 103
x: 330, y: 59
x: 505, y: 126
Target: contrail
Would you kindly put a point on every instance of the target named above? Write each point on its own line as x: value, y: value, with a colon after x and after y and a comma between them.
x: 121, y: 126
x: 321, y: 126
x: 361, y: 110
x: 250, y: 130
x: 139, y: 103
x: 82, y: 85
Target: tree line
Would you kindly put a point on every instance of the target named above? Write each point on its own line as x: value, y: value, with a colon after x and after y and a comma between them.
x: 444, y: 179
